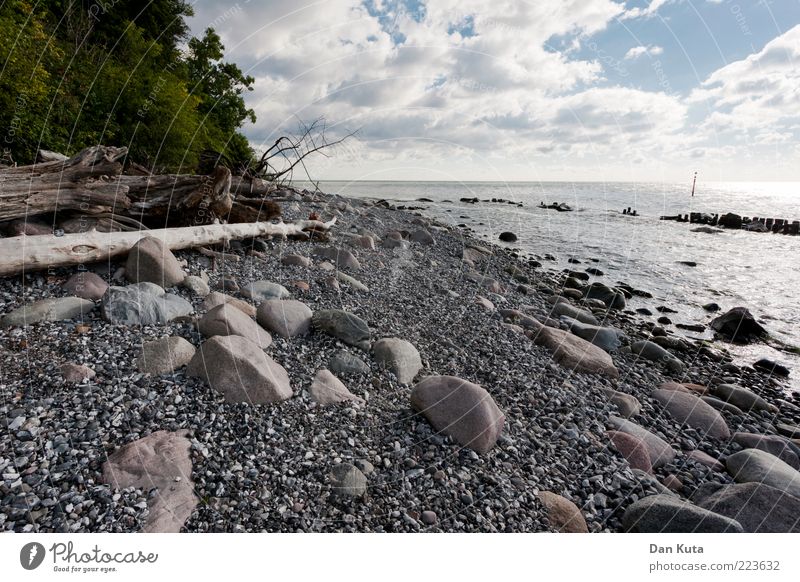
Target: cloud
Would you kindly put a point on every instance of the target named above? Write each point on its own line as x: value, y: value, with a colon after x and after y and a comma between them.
x: 639, y: 51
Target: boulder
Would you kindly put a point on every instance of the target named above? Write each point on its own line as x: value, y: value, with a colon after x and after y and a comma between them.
x: 422, y: 236
x: 742, y: 398
x: 563, y: 515
x: 328, y: 389
x: 158, y: 461
x: 347, y: 481
x: 86, y: 285
x: 575, y: 313
x: 286, y: 317
x: 227, y: 320
x: 705, y: 459
x: 344, y: 326
x: 769, y: 367
x: 240, y: 370
x: 668, y: 514
x: 399, y: 357
x: 263, y: 290
x: 149, y: 261
x: 633, y: 449
x: 54, y: 309
x: 460, y: 409
x: 757, y: 466
x: 393, y: 243
x: 613, y: 298
x: 508, y: 237
x: 627, y: 404
x: 196, y: 285
x: 659, y: 450
x: 654, y: 352
x: 738, y: 325
x: 143, y: 304
x: 216, y: 298
x: 607, y: 339
x: 352, y: 281
x: 688, y: 409
x: 758, y: 507
x: 76, y: 373
x: 346, y: 363
x: 341, y: 258
x: 575, y: 353
x: 720, y: 405
x: 296, y: 260
x: 165, y: 355
x: 484, y: 303
x: 772, y: 444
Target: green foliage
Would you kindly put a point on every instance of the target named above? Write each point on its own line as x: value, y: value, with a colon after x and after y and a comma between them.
x: 77, y: 73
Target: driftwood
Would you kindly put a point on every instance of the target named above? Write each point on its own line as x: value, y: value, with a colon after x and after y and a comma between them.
x: 34, y: 253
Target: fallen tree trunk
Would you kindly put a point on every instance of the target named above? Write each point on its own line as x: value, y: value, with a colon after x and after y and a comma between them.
x: 35, y: 253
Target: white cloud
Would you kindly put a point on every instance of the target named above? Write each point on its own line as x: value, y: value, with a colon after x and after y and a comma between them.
x: 641, y: 50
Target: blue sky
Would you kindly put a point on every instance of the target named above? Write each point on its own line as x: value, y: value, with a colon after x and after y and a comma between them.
x: 527, y: 90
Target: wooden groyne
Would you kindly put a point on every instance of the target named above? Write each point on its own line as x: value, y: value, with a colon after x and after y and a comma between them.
x: 737, y: 222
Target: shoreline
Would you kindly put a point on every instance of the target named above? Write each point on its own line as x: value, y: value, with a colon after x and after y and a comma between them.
x: 265, y: 467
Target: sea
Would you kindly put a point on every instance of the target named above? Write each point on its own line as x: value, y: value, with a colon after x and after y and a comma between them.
x: 760, y: 271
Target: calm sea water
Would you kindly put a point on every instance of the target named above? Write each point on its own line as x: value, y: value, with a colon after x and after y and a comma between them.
x: 755, y: 270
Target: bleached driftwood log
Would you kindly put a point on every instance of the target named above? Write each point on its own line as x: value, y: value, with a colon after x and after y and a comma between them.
x: 36, y: 253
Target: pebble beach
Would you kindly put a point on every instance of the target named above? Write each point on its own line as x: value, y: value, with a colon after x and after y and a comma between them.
x: 563, y: 409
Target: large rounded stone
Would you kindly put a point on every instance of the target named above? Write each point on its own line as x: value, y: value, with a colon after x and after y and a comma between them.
x: 654, y: 352
x: 347, y: 481
x: 341, y: 258
x: 738, y: 325
x: 758, y: 507
x: 460, y: 409
x: 756, y: 466
x: 216, y: 298
x: 264, y: 290
x: 659, y: 450
x: 346, y: 363
x: 86, y: 285
x: 688, y: 409
x: 613, y: 298
x: 575, y: 353
x: 344, y: 326
x: 56, y: 309
x: 165, y: 355
x: 286, y: 317
x: 564, y: 516
x: 574, y: 313
x: 633, y: 449
x: 328, y: 389
x: 296, y: 261
x: 668, y: 514
x: 143, y: 304
x: 627, y: 404
x: 150, y: 261
x: 240, y: 370
x: 227, y: 320
x: 607, y: 339
x: 772, y: 444
x: 742, y: 398
x: 398, y: 356
x: 422, y: 237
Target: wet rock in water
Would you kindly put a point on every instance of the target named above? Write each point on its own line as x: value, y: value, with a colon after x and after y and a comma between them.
x: 738, y: 325
x: 196, y: 285
x: 613, y: 298
x: 328, y: 389
x: 772, y: 444
x: 352, y: 281
x: 347, y: 481
x: 643, y: 311
x: 607, y: 339
x: 654, y: 352
x: 149, y: 261
x: 574, y: 353
x: 348, y: 364
x: 594, y: 271
x: 742, y: 398
x: 286, y: 317
x: 227, y: 320
x: 341, y: 258
x: 422, y: 236
x: 757, y: 506
x: 668, y: 514
x: 711, y: 307
x: 55, y: 309
x: 460, y: 409
x: 633, y: 449
x: 564, y: 516
x: 580, y: 315
x: 86, y: 285
x: 158, y: 461
x: 688, y: 409
x: 343, y: 325
x: 756, y: 466
x: 659, y: 450
x: 240, y: 370
x: 143, y: 304
x: 264, y: 290
x: 216, y: 298
x: 165, y: 355
x: 76, y: 373
x: 296, y: 260
x: 627, y: 404
x: 508, y: 237
x: 770, y: 367
x: 398, y: 356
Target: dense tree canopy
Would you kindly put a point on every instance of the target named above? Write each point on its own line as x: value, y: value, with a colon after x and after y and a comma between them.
x: 75, y: 73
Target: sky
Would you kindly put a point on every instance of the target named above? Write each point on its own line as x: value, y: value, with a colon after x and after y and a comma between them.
x: 517, y: 90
